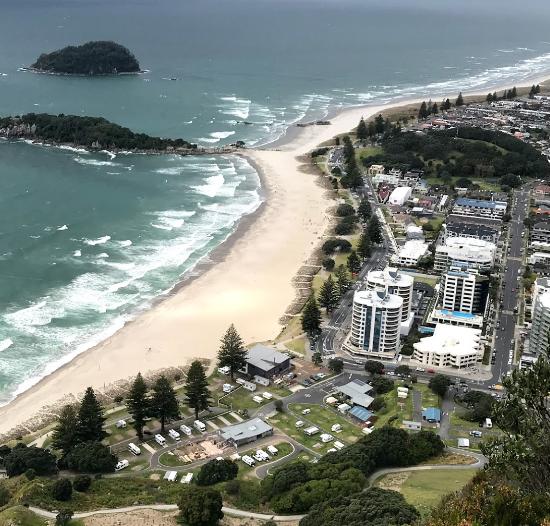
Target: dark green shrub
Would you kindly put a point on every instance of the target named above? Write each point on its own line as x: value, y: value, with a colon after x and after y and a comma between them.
x: 82, y: 483
x: 62, y: 489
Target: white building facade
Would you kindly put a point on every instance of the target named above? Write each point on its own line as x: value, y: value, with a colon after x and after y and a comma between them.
x: 449, y: 346
x: 465, y: 252
x: 463, y: 291
x: 400, y: 195
x: 375, y: 324
x: 540, y: 327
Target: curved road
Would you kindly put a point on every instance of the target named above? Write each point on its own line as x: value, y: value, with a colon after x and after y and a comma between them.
x: 481, y: 460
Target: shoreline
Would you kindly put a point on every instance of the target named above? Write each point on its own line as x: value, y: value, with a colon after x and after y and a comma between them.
x: 246, y: 280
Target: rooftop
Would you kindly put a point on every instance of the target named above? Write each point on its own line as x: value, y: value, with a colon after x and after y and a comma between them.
x: 357, y: 392
x: 451, y: 339
x: 378, y: 299
x: 390, y: 276
x: 432, y: 413
x: 264, y: 357
x: 244, y: 430
x: 478, y: 203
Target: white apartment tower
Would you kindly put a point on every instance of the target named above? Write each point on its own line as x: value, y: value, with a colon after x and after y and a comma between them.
x: 464, y: 291
x: 540, y: 328
x: 401, y: 284
x: 375, y: 324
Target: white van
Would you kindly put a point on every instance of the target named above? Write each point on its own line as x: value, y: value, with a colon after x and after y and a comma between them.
x: 186, y: 430
x: 134, y: 449
x: 121, y: 464
x: 159, y: 439
x: 227, y: 388
x: 173, y: 434
x: 199, y: 426
x: 273, y: 450
x: 339, y: 445
x: 224, y: 370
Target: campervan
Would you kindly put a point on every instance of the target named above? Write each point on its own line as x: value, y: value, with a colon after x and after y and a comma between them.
x: 186, y: 430
x: 160, y: 440
x: 199, y: 426
x: 173, y: 434
x: 121, y: 464
x: 134, y: 449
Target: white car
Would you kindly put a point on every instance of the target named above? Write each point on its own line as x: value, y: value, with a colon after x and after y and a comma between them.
x: 249, y: 461
x: 420, y: 369
x: 306, y: 411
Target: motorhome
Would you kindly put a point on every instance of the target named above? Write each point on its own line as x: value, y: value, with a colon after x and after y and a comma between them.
x: 173, y: 434
x: 273, y: 450
x: 199, y: 426
x: 160, y: 440
x: 312, y: 430
x: 121, y: 464
x: 186, y: 430
x: 134, y: 449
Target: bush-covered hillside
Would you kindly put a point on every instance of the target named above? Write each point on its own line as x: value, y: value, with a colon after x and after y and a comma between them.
x: 92, y: 58
x: 90, y: 132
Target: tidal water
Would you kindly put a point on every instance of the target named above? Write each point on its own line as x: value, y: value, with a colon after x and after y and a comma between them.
x: 89, y: 240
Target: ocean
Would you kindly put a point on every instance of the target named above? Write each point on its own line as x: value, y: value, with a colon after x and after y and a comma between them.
x: 89, y: 240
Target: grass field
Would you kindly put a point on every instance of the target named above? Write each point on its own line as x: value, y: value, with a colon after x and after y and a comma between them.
x: 324, y: 418
x: 424, y: 489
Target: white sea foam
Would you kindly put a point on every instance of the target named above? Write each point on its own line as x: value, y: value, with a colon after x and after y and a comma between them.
x: 222, y: 135
x: 94, y: 162
x: 238, y: 108
x: 64, y: 227
x: 210, y: 140
x: 77, y: 253
x: 103, y: 255
x: 5, y: 344
x: 125, y: 243
x: 176, y: 170
x: 73, y: 149
x: 99, y: 241
x: 212, y: 186
x: 161, y: 227
x: 38, y: 314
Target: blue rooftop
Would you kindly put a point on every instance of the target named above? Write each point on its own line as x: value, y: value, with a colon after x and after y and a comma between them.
x: 478, y: 203
x: 432, y: 414
x: 361, y: 413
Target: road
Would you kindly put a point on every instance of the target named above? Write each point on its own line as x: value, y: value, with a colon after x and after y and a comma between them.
x: 511, y: 287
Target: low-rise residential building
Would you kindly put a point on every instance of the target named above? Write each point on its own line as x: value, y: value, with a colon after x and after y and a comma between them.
x: 375, y: 169
x: 400, y: 196
x: 480, y: 208
x: 465, y: 252
x: 449, y: 346
x: 409, y: 254
x: 383, y: 178
x: 266, y: 362
x: 541, y: 232
x: 246, y: 432
x: 542, y: 258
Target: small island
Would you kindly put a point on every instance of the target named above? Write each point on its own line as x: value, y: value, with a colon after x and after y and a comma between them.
x: 93, y: 58
x: 91, y: 133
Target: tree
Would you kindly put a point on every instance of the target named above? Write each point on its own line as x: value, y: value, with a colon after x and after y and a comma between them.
x: 21, y: 458
x: 378, y: 403
x: 62, y: 489
x: 353, y: 262
x: 423, y: 111
x: 64, y: 517
x: 446, y: 105
x: 402, y: 370
x: 327, y: 295
x: 200, y: 506
x: 216, y: 471
x: 489, y: 97
x: 343, y: 281
x: 379, y: 124
x: 64, y: 436
x: 381, y: 384
x: 511, y: 180
x: 196, y: 388
x: 164, y: 402
x: 232, y: 352
x: 435, y: 109
x: 328, y: 264
x: 311, y: 317
x: 82, y: 483
x: 362, y: 131
x: 363, y: 247
x: 364, y: 210
x: 345, y: 210
x: 91, y: 457
x: 374, y: 230
x: 317, y: 359
x: 336, y: 365
x: 279, y: 406
x: 459, y: 100
x: 374, y: 367
x: 89, y: 426
x: 439, y: 384
x: 138, y: 404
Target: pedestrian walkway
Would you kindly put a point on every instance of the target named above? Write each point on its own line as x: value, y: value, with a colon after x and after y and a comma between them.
x: 236, y: 417
x: 224, y: 420
x: 148, y: 448
x: 211, y: 424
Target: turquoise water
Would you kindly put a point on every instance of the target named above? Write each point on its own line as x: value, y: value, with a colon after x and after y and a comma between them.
x: 88, y: 240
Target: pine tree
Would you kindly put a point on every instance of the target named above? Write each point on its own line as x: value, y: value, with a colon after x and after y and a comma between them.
x: 64, y: 435
x: 311, y: 317
x: 532, y: 91
x: 90, y: 420
x: 489, y: 97
x: 429, y: 107
x: 537, y: 88
x: 364, y: 210
x: 342, y: 279
x: 379, y: 124
x: 164, y: 403
x: 362, y: 131
x: 372, y: 129
x: 446, y: 105
x: 335, y: 294
x: 435, y: 109
x: 514, y: 93
x: 374, y: 230
x: 423, y: 111
x: 459, y: 100
x: 364, y: 248
x: 232, y: 352
x: 354, y: 263
x: 138, y: 404
x: 326, y: 295
x: 196, y: 388
x: 349, y: 151
x: 495, y: 96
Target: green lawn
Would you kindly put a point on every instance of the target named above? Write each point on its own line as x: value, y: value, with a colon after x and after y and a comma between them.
x: 369, y: 151
x: 424, y: 489
x: 324, y: 418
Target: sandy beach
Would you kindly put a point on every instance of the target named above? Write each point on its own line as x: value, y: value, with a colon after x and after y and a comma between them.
x: 249, y: 285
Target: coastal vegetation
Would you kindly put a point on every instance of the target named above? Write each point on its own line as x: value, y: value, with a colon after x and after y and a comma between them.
x: 94, y: 133
x: 91, y: 58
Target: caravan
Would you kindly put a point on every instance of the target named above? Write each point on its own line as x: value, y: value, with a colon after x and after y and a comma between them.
x: 186, y: 430
x: 160, y: 440
x: 199, y: 426
x: 134, y: 449
x: 121, y: 465
x: 173, y: 434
